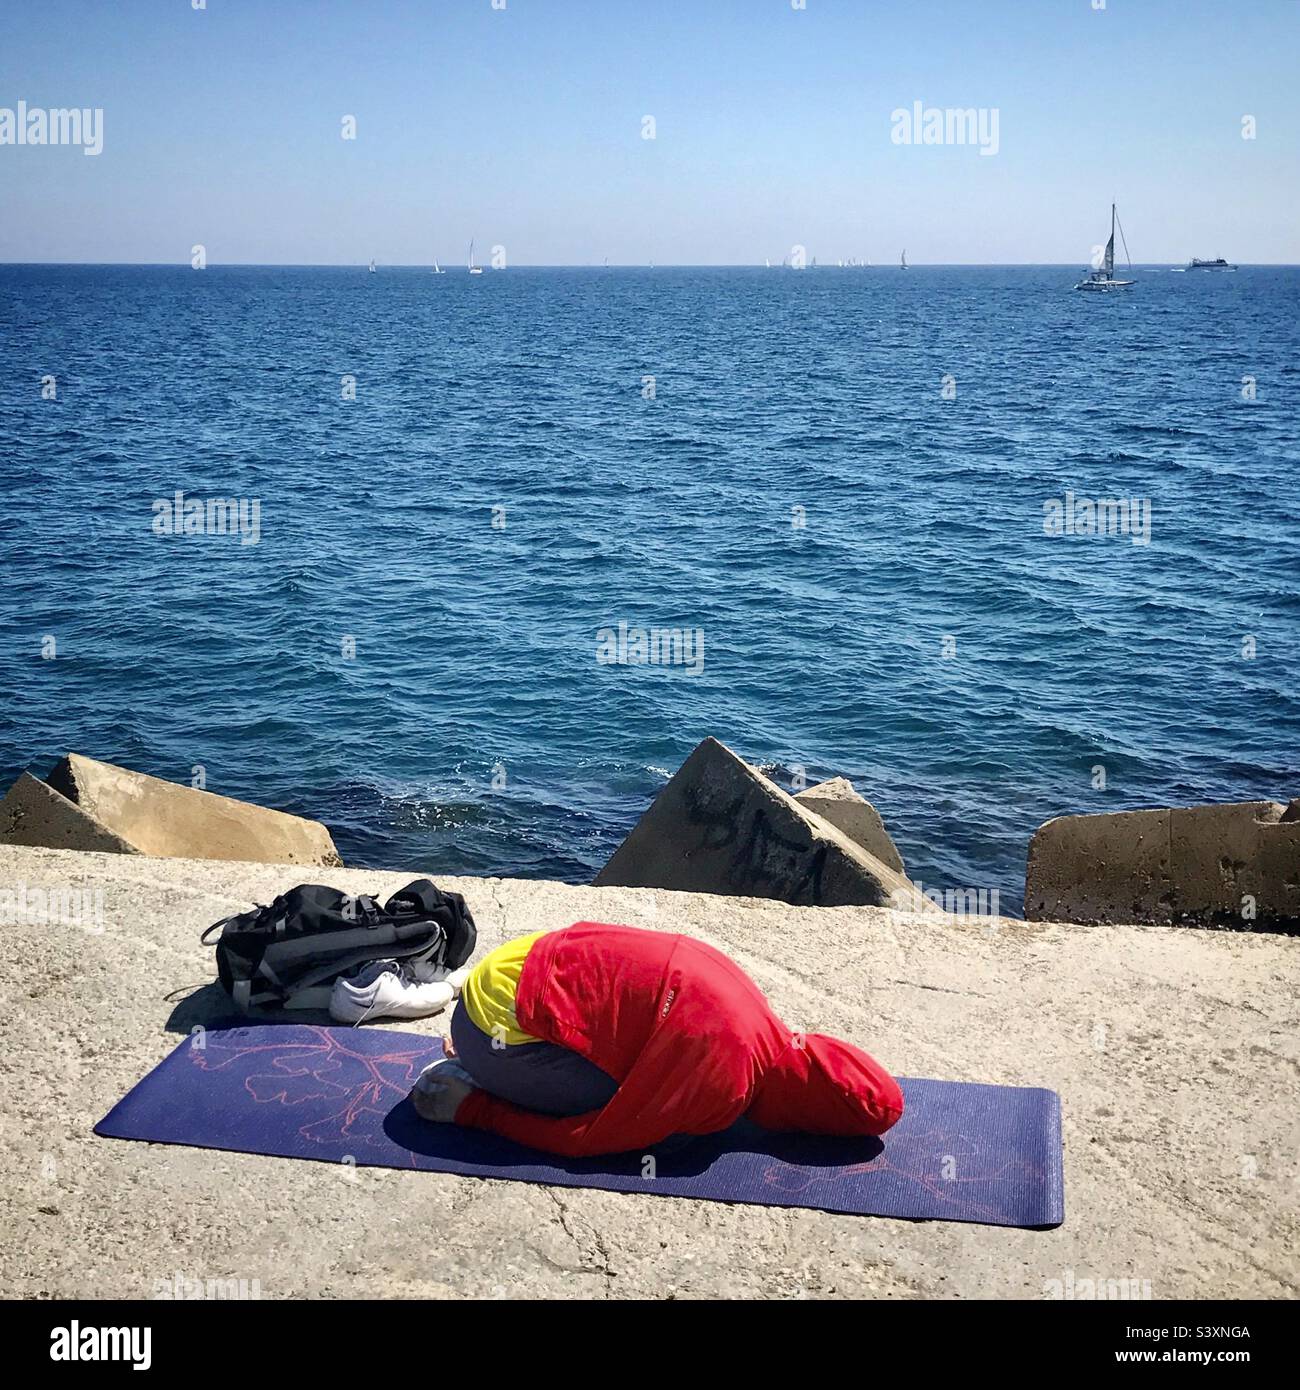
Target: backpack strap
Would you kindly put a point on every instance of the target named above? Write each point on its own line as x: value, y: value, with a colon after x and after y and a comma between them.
x: 333, y: 969
x: 216, y: 926
x: 241, y: 991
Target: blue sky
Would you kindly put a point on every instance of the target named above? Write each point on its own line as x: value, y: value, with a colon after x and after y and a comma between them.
x: 523, y: 127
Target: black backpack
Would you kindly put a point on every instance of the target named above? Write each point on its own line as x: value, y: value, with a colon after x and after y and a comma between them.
x: 312, y: 934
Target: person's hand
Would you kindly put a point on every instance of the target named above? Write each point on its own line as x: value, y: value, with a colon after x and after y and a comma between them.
x: 438, y: 1092
x: 456, y: 979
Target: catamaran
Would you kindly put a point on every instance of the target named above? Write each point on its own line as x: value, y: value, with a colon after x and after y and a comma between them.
x: 473, y: 269
x: 1104, y: 280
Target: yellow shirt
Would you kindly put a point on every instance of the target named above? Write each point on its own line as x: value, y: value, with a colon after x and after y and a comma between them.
x: 489, y: 993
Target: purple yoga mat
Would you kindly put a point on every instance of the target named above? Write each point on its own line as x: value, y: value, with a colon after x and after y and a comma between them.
x: 961, y: 1152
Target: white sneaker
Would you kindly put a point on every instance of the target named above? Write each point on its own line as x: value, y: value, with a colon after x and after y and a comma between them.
x: 384, y: 989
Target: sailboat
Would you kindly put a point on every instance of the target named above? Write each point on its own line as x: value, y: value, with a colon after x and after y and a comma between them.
x: 372, y: 267
x: 437, y: 269
x: 473, y: 269
x: 1104, y: 280
x: 902, y: 265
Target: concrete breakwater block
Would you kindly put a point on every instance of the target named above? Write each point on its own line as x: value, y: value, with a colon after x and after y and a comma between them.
x: 35, y: 815
x: 720, y: 826
x: 1231, y: 865
x: 837, y: 802
x: 89, y: 805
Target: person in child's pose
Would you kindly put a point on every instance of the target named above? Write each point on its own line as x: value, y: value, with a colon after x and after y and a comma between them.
x: 597, y: 1039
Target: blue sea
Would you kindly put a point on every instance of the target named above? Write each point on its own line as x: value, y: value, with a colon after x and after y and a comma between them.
x: 834, y: 483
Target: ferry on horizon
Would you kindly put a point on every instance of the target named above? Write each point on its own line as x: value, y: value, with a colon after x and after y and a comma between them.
x: 1217, y: 264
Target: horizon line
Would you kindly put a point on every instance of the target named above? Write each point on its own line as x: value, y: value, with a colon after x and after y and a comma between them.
x: 618, y: 265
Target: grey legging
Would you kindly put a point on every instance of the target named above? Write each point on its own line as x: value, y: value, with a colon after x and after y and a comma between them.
x: 538, y: 1076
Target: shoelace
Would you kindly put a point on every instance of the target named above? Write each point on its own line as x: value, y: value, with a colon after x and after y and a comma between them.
x: 392, y: 968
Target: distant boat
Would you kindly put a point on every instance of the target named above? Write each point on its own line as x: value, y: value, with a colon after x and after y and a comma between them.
x: 1104, y: 280
x: 1217, y: 264
x: 767, y: 262
x: 437, y: 269
x: 372, y: 267
x: 902, y: 264
x: 473, y: 269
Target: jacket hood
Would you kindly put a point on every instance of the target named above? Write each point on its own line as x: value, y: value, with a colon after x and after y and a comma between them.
x: 824, y: 1086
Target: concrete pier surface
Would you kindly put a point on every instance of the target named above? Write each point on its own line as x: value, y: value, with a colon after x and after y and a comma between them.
x: 1176, y: 1054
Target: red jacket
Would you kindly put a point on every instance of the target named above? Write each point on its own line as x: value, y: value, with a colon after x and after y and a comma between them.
x: 689, y: 1038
